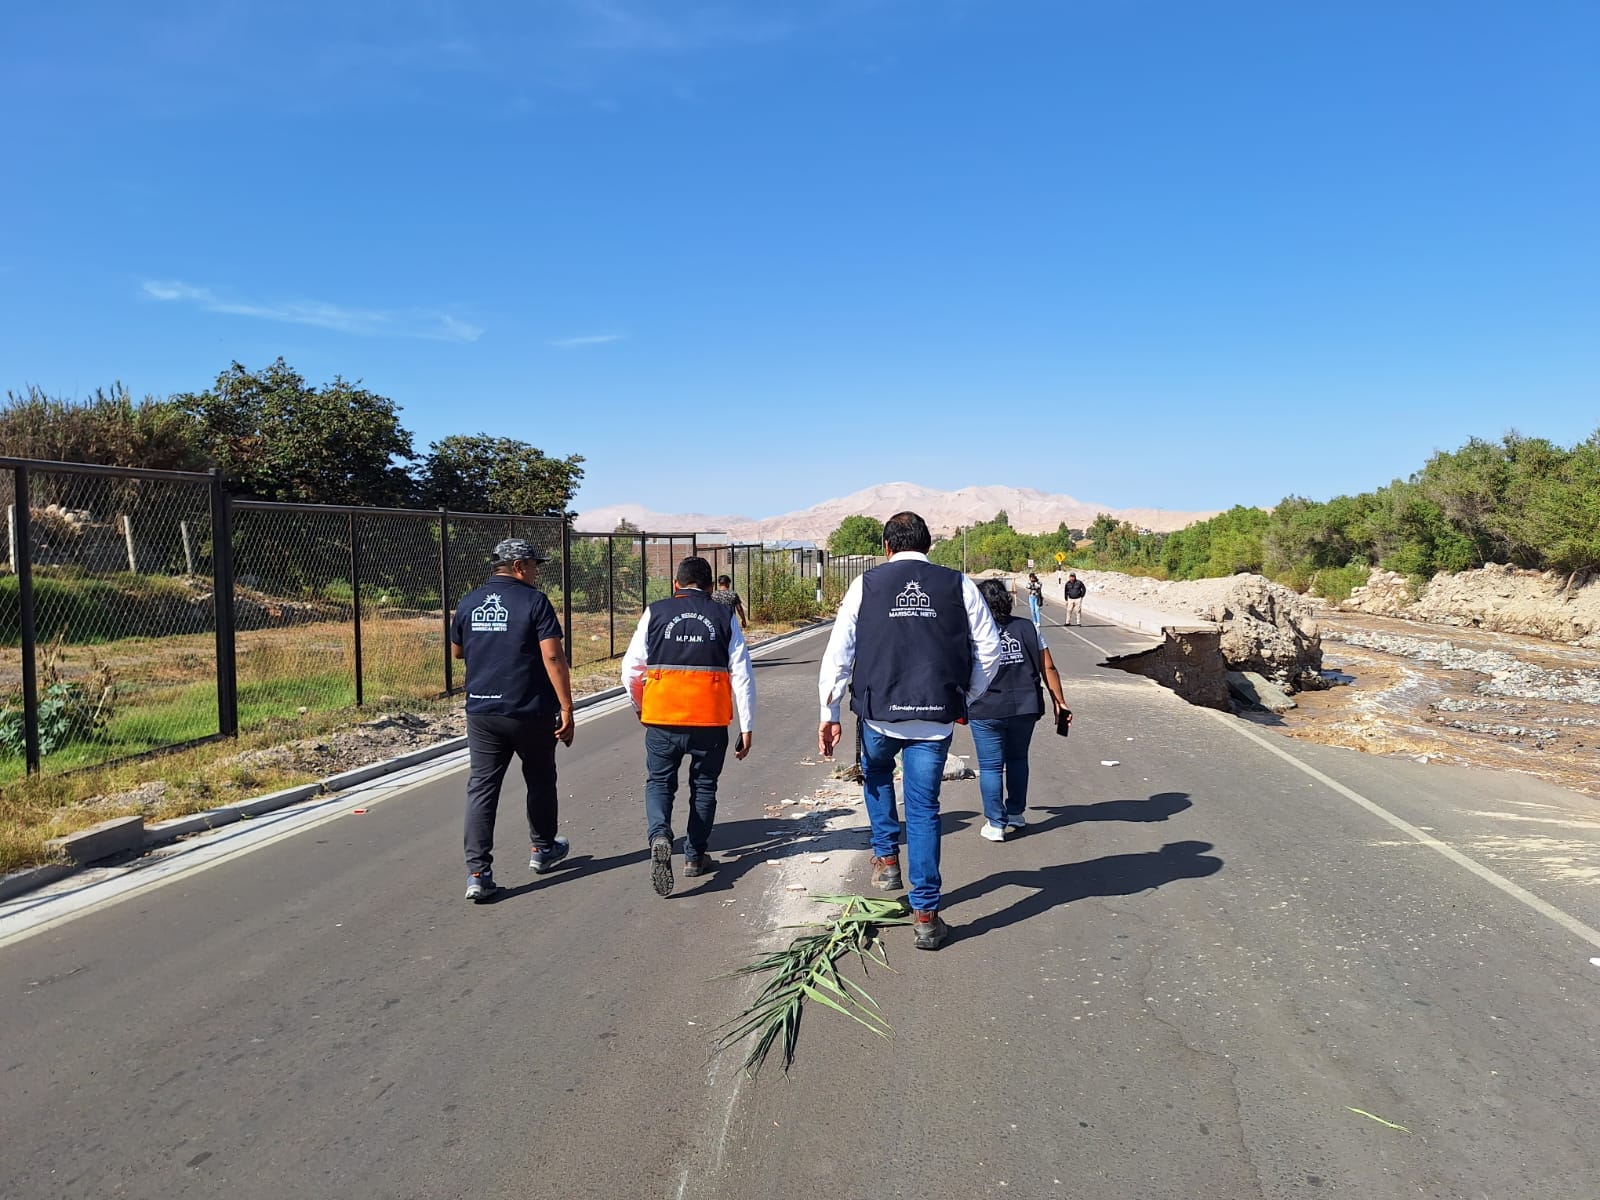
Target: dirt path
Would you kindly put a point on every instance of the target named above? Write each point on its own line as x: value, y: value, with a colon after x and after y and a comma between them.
x: 1457, y: 695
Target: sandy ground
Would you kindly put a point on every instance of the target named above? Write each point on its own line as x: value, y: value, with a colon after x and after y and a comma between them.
x: 1465, y: 696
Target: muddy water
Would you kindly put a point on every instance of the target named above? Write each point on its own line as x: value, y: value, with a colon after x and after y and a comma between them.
x: 1464, y: 696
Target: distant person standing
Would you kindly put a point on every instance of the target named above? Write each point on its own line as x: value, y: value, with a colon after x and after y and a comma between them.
x: 519, y: 702
x: 1003, y: 718
x: 1035, y: 598
x: 727, y: 596
x: 687, y: 671
x: 915, y: 644
x: 1074, y: 593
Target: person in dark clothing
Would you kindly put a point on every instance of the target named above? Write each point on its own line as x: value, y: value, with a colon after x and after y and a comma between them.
x: 725, y: 595
x: 1003, y: 718
x: 1073, y: 594
x: 519, y: 702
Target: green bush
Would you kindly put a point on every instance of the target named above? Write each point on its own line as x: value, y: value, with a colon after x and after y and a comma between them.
x: 1336, y: 583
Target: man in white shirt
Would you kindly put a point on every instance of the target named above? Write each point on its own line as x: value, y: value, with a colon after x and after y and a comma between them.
x: 688, y: 672
x: 914, y: 643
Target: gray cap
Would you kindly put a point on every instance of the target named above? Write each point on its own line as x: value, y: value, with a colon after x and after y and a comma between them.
x: 515, y: 550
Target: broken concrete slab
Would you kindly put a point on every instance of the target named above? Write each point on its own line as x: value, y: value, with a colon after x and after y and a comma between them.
x: 1255, y: 690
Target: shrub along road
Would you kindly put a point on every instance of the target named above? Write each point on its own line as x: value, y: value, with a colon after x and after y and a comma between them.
x: 1215, y: 969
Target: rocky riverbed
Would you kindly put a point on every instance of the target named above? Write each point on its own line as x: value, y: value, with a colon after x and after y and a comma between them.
x: 1467, y: 696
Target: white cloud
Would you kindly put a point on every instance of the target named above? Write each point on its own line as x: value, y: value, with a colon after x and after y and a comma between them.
x: 426, y: 324
x: 588, y: 339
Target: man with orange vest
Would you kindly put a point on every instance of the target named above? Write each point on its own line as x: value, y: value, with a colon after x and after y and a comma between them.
x: 687, y: 671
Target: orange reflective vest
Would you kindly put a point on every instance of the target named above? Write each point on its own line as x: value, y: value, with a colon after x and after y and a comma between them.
x: 687, y: 680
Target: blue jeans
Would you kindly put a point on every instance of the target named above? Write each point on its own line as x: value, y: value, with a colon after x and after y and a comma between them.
x: 923, y: 764
x: 664, y: 751
x: 1002, y: 747
x: 1033, y: 607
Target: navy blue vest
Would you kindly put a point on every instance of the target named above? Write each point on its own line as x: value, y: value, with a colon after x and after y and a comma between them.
x: 689, y: 630
x: 1015, y: 691
x: 913, y: 644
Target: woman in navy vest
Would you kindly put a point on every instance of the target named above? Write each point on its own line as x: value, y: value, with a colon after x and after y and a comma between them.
x: 1002, y: 719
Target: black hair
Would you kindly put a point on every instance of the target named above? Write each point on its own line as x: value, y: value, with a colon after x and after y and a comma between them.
x: 997, y: 596
x: 906, y: 531
x: 694, y: 572
x: 724, y: 582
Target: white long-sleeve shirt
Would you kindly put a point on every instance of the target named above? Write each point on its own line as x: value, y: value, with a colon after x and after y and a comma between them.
x: 741, y: 673
x: 838, y: 663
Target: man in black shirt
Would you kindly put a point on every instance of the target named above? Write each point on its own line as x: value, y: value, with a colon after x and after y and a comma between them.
x: 519, y: 702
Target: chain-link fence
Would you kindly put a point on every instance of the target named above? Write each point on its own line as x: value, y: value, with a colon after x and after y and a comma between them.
x: 113, y: 643
x: 107, y: 615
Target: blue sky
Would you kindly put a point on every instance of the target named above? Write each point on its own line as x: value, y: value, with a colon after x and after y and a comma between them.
x: 747, y: 256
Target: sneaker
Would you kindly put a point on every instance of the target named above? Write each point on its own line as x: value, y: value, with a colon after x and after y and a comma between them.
x: 481, y: 886
x: 540, y: 861
x: 693, y: 868
x: 930, y: 929
x: 1016, y: 822
x: 992, y: 832
x: 886, y: 874
x: 661, y: 866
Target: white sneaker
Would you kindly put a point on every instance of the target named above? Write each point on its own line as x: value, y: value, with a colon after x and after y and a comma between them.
x: 992, y: 832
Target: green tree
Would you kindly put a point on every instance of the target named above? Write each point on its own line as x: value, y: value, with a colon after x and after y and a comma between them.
x: 278, y: 438
x: 480, y: 473
x: 857, y: 535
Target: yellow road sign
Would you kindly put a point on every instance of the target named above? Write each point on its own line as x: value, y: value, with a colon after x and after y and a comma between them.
x: 1061, y: 556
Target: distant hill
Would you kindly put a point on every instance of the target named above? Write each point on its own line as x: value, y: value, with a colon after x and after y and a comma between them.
x: 1029, y: 511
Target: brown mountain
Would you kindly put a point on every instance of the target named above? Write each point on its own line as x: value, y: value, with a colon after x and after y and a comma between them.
x: 1028, y: 510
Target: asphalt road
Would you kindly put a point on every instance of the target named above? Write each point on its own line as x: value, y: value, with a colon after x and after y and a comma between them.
x: 1183, y: 982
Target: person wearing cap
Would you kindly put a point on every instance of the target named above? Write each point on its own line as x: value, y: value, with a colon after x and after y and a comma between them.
x: 687, y: 671
x: 519, y: 703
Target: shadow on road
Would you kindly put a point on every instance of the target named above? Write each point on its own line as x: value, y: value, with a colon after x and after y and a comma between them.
x: 1157, y: 808
x: 1113, y: 875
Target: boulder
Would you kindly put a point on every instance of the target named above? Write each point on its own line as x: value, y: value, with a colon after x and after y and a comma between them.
x: 1256, y: 691
x: 1271, y: 630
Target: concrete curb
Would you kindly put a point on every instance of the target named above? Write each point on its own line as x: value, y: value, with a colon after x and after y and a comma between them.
x: 165, y: 833
x: 29, y: 878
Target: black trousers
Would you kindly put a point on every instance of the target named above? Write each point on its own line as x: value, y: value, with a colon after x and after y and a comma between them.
x: 491, y: 742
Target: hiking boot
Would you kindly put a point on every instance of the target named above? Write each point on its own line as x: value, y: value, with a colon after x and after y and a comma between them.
x: 703, y: 864
x: 661, y: 866
x: 886, y: 874
x: 540, y: 861
x: 992, y: 832
x: 481, y: 887
x: 929, y: 928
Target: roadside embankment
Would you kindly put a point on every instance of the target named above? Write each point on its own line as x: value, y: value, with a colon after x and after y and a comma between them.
x: 1495, y: 597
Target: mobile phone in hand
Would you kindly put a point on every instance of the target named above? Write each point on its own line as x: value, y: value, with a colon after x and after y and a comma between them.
x: 1064, y: 722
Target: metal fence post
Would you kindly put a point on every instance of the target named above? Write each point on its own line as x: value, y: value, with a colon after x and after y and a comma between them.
x: 644, y: 572
x: 355, y: 601
x: 566, y: 582
x: 611, y: 591
x: 444, y: 596
x: 222, y: 602
x: 22, y: 563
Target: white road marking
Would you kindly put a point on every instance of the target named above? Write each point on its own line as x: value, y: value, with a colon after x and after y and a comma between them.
x: 1516, y: 891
